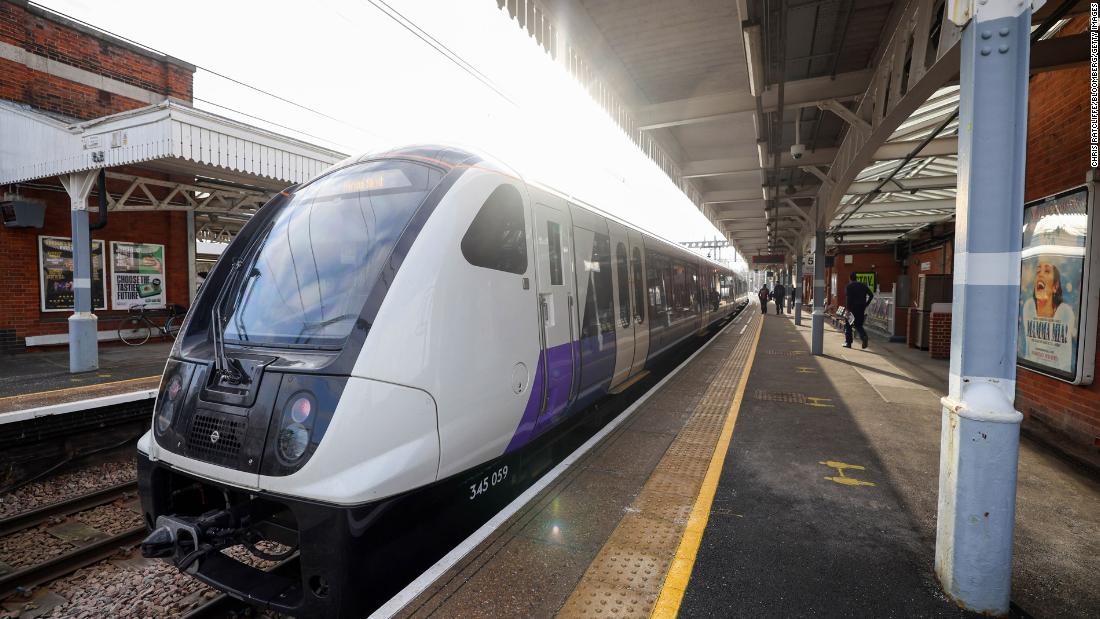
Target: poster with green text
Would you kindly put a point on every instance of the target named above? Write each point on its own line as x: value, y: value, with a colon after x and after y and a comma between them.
x: 137, y: 275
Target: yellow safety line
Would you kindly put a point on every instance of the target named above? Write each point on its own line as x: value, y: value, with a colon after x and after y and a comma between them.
x: 676, y: 581
x: 76, y: 388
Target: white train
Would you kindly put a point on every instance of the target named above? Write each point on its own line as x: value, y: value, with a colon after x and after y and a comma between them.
x: 392, y: 341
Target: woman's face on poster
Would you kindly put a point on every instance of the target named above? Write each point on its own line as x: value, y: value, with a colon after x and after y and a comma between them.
x: 1046, y: 284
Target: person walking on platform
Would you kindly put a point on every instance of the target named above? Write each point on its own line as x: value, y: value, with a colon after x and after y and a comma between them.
x: 763, y: 294
x: 778, y: 293
x: 857, y: 297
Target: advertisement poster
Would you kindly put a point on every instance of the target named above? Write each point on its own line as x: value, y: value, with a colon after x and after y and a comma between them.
x: 867, y: 278
x: 137, y: 274
x: 55, y: 274
x: 1052, y: 264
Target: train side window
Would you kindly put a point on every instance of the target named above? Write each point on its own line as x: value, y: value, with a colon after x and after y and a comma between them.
x: 623, y: 269
x: 553, y: 234
x: 604, y: 302
x: 496, y: 238
x: 639, y: 286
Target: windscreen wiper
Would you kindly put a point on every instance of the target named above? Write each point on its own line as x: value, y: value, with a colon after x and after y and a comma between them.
x: 225, y: 366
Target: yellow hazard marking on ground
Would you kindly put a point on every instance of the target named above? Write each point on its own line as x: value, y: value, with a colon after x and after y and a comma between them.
x: 805, y: 370
x: 843, y: 479
x: 819, y: 402
x: 676, y: 581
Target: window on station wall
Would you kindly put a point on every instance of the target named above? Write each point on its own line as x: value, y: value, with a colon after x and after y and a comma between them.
x: 496, y: 238
x: 622, y: 268
x: 639, y: 285
x: 553, y: 234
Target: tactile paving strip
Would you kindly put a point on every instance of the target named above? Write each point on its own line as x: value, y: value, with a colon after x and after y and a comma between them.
x: 625, y: 578
x: 779, y: 396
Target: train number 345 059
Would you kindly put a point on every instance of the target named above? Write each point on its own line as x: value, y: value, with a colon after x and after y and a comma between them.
x: 494, y: 478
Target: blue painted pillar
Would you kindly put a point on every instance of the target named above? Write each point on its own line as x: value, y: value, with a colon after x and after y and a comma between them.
x: 980, y: 430
x: 798, y: 287
x: 817, y: 324
x: 83, y: 329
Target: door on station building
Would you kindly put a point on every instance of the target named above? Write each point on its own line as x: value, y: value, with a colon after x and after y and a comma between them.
x: 624, y: 300
x: 557, y: 313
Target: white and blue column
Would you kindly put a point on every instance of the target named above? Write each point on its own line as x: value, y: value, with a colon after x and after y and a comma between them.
x: 817, y: 324
x: 980, y: 430
x: 83, y: 324
x: 798, y: 287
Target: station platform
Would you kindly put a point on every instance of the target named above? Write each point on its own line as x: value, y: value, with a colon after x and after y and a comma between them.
x: 41, y: 382
x: 759, y: 480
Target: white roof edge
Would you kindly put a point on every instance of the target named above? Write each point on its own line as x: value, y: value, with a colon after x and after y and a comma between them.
x: 34, y: 145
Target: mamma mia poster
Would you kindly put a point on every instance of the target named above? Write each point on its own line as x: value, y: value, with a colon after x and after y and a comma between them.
x: 1052, y: 269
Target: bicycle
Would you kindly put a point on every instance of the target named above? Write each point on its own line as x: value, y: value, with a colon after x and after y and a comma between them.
x: 139, y: 327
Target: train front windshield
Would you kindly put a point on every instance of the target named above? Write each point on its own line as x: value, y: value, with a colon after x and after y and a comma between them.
x: 306, y: 278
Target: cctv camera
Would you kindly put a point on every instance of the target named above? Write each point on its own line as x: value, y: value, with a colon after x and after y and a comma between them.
x: 797, y: 150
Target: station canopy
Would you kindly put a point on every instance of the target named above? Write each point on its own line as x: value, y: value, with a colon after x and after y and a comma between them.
x: 718, y: 92
x: 167, y: 156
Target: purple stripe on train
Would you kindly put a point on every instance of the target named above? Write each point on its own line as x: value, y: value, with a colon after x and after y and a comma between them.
x: 596, y: 362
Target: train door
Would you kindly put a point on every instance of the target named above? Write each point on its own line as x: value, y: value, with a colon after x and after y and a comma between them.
x: 623, y: 310
x: 638, y: 285
x: 556, y: 299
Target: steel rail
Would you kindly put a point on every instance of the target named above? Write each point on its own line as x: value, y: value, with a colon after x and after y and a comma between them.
x: 35, y: 517
x: 69, y: 562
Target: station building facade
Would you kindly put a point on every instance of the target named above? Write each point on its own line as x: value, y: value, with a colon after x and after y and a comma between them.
x: 86, y: 99
x: 72, y: 73
x: 1055, y: 410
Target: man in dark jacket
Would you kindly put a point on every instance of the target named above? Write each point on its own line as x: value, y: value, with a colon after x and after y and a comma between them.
x: 763, y: 294
x: 778, y: 293
x: 857, y: 297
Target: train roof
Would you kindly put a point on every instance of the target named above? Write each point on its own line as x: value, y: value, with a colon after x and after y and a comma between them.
x: 450, y: 156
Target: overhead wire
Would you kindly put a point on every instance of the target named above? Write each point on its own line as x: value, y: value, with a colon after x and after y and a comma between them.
x: 222, y: 76
x: 438, y: 46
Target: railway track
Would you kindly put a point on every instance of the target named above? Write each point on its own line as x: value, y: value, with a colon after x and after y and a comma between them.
x: 25, y: 578
x: 224, y: 606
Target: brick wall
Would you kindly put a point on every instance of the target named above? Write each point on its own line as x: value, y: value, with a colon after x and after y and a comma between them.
x: 45, y: 35
x: 939, y: 328
x: 20, y: 305
x: 1057, y: 159
x: 56, y: 39
x: 881, y: 263
x: 940, y: 260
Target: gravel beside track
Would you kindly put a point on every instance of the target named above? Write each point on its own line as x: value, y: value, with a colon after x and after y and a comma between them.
x: 102, y: 473
x: 139, y: 588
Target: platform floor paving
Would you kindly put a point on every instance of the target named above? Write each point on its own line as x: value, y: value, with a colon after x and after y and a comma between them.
x: 805, y: 488
x: 42, y: 378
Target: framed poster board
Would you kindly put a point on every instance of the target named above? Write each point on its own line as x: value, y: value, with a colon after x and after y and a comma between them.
x: 1057, y: 301
x: 137, y: 275
x: 55, y: 274
x: 867, y: 278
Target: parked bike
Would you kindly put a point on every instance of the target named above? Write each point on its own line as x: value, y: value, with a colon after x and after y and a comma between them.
x: 136, y: 329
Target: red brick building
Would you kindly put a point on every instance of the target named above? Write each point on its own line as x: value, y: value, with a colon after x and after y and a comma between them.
x: 74, y: 100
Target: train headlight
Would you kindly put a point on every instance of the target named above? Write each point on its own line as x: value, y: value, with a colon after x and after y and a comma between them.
x: 300, y: 418
x: 173, y: 392
x: 293, y: 441
x: 294, y: 430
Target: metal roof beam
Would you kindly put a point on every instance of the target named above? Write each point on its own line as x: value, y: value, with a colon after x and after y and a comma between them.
x: 905, y: 184
x: 893, y: 206
x: 708, y: 108
x: 899, y: 220
x: 938, y: 147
